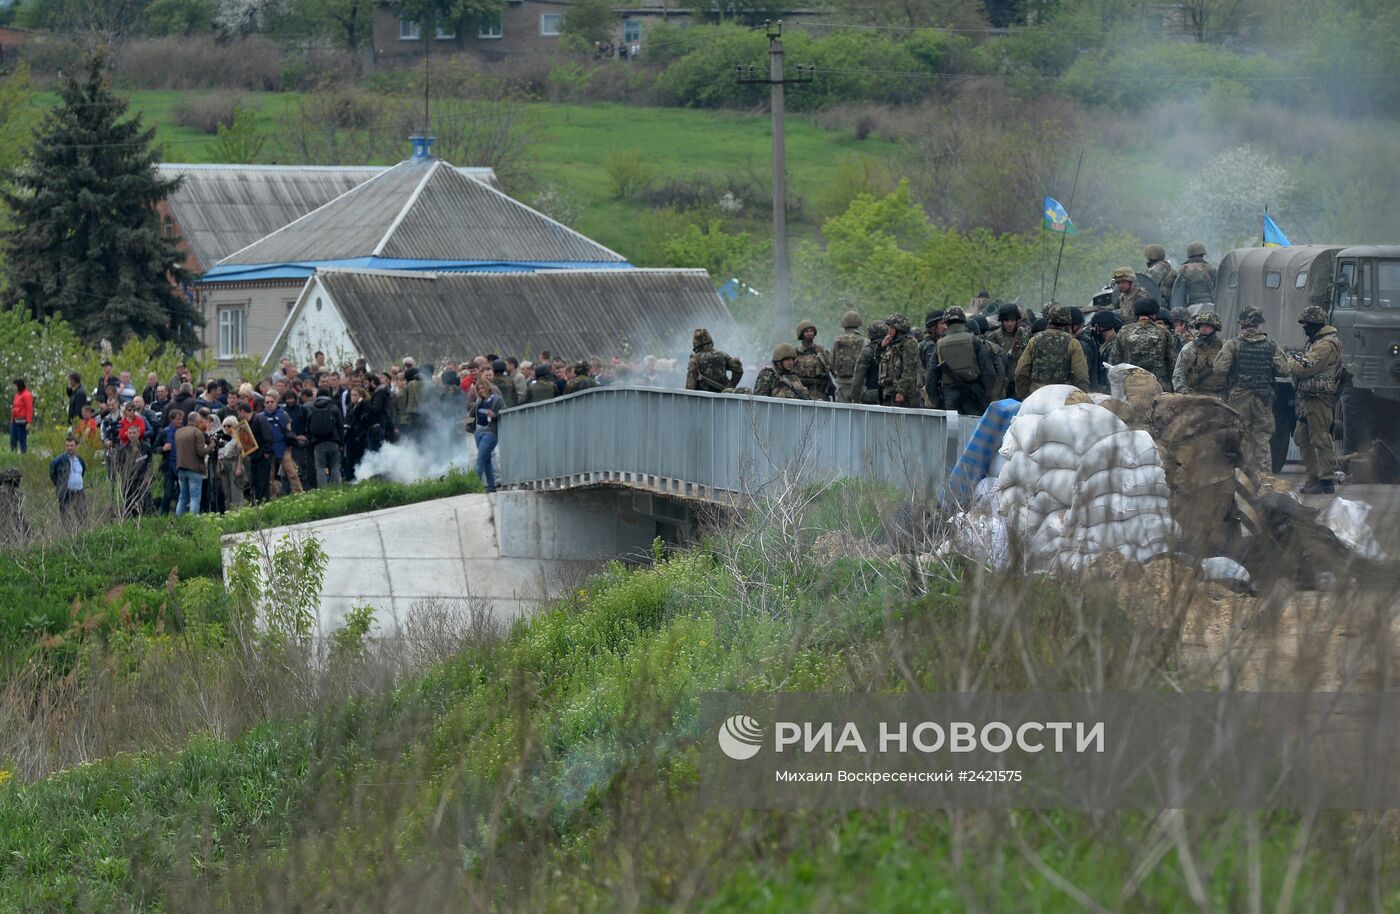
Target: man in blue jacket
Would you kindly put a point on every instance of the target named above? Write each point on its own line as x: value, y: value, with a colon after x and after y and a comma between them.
x: 66, y: 472
x: 282, y: 438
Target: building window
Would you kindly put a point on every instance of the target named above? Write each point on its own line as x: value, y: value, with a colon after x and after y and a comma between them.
x: 489, y: 26
x: 231, y: 333
x: 409, y: 30
x: 631, y: 31
x: 551, y: 23
x: 167, y: 227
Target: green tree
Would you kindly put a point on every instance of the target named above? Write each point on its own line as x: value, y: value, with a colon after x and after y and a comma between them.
x: 588, y: 22
x: 239, y: 142
x: 178, y: 17
x: 460, y: 16
x: 86, y: 240
x: 346, y: 22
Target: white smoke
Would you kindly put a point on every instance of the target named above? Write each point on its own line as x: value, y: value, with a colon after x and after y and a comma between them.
x: 440, y: 444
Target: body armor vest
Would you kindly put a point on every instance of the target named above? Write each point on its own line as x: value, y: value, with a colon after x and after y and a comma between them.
x: 844, y: 353
x: 958, y: 354
x: 1200, y: 374
x: 1254, y: 365
x: 1325, y: 381
x: 1050, y: 361
x: 1196, y: 278
x: 1142, y: 346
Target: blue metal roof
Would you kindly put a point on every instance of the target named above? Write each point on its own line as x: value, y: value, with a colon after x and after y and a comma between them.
x: 273, y: 271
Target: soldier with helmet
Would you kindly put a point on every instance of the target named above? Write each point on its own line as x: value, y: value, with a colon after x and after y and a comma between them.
x: 1010, y: 337
x: 865, y: 384
x: 963, y: 364
x: 1146, y: 344
x: 899, y: 365
x: 780, y: 379
x: 1317, y: 373
x: 935, y: 325
x: 1129, y: 293
x: 1248, y: 365
x: 845, y: 350
x: 1194, y: 287
x: 1182, y: 326
x: 812, y: 365
x: 1195, y: 364
x: 710, y: 368
x: 1093, y: 354
x: 1052, y: 357
x: 1159, y: 269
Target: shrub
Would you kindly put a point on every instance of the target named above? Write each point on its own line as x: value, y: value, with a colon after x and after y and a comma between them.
x: 711, y: 248
x: 253, y: 64
x: 207, y: 113
x: 1134, y: 81
x: 629, y: 173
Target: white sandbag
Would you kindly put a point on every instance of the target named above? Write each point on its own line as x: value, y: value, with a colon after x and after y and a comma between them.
x: 1141, y: 480
x: 1059, y: 484
x: 1047, y: 399
x: 1143, y: 553
x: 1116, y: 374
x: 1021, y: 435
x: 1099, y: 398
x: 982, y: 538
x: 1123, y: 449
x: 1079, y: 425
x: 1347, y: 519
x: 984, y: 495
x: 1224, y: 570
x: 1113, y: 507
x: 1052, y: 455
x: 997, y: 465
x: 1021, y: 471
x: 1043, y: 501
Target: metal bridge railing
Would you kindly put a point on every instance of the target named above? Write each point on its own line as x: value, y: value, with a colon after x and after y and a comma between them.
x: 721, y: 447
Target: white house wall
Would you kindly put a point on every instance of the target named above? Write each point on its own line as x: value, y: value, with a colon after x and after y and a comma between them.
x: 319, y: 325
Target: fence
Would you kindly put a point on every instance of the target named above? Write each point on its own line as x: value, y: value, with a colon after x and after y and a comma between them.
x: 721, y: 447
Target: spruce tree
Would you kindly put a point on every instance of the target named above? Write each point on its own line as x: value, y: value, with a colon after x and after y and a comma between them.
x: 85, y: 240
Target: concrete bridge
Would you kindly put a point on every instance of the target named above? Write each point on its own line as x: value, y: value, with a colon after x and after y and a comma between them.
x: 598, y: 475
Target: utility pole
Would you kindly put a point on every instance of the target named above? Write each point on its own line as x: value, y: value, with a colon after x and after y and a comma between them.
x: 782, y: 312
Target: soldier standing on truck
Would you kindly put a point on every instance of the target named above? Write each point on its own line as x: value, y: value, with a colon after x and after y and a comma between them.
x: 1194, y: 287
x: 1159, y: 269
x: 1129, y: 293
x: 1248, y: 364
x: 1317, y: 372
x: 710, y: 368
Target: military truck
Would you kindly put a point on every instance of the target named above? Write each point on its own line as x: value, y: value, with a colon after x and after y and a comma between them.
x: 1359, y: 287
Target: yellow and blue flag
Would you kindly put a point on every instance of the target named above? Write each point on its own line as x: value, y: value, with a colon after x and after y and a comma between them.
x: 1056, y: 219
x: 1273, y: 235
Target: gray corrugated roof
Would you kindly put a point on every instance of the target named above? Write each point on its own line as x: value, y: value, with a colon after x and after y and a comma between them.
x: 221, y: 209
x: 423, y: 210
x: 574, y: 312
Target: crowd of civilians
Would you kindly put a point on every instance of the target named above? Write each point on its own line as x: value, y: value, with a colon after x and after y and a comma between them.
x: 312, y: 426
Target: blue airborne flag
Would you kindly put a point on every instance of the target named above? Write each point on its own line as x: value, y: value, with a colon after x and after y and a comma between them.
x: 1056, y: 219
x: 1273, y: 235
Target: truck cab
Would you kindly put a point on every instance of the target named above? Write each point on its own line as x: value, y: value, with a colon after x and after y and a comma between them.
x: 1365, y: 309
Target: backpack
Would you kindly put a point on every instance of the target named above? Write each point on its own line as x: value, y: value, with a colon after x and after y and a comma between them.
x: 1051, y: 362
x: 324, y: 424
x: 1142, y: 346
x: 844, y: 353
x: 957, y: 352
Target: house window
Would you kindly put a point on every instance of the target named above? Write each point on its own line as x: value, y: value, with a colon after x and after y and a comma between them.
x: 631, y: 31
x: 489, y: 26
x: 551, y: 23
x: 231, y: 333
x: 409, y: 30
x: 167, y: 227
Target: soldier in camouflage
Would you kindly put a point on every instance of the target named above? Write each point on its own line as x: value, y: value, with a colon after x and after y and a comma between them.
x: 1248, y: 365
x: 1159, y: 269
x: 899, y: 365
x: 1195, y: 364
x: 780, y: 379
x: 865, y: 382
x: 1146, y: 344
x: 1011, y: 338
x: 845, y: 350
x: 964, y: 367
x: 996, y: 384
x: 1052, y: 357
x: 1093, y: 354
x: 1129, y: 294
x: 1317, y: 373
x: 581, y: 379
x: 1182, y: 327
x: 1194, y: 288
x: 710, y: 368
x: 935, y: 326
x: 813, y: 367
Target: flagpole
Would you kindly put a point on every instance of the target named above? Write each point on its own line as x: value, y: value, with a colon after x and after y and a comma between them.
x: 1263, y: 227
x: 1073, y: 187
x: 1042, y: 249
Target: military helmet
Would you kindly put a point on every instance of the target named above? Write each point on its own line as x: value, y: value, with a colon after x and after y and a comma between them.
x: 1146, y: 306
x: 899, y: 322
x: 1312, y: 314
x: 701, y: 338
x: 1154, y: 252
x: 1124, y: 273
x: 933, y: 317
x: 1209, y: 317
x: 803, y: 327
x: 850, y: 320
x: 1008, y: 312
x: 1181, y: 314
x: 784, y: 351
x: 1251, y: 316
x: 955, y: 316
x: 877, y: 330
x: 1106, y: 320
x: 1196, y: 249
x: 1058, y: 316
